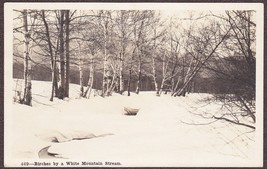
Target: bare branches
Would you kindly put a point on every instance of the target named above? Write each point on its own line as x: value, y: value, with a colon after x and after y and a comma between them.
x: 234, y: 122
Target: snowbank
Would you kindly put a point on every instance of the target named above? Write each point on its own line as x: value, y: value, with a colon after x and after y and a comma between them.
x: 167, y: 131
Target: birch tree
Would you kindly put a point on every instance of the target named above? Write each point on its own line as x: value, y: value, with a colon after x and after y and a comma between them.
x: 61, y: 55
x: 123, y: 32
x: 141, y: 21
x: 27, y: 97
x: 105, y: 23
x: 201, y: 46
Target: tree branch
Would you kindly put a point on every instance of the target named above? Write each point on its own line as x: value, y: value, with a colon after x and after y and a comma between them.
x: 231, y: 121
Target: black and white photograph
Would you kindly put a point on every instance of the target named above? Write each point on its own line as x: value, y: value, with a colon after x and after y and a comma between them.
x: 133, y: 85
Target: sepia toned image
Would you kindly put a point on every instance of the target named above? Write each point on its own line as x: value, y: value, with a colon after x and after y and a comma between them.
x: 133, y: 85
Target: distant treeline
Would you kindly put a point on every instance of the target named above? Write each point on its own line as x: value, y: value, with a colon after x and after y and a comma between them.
x: 199, y: 85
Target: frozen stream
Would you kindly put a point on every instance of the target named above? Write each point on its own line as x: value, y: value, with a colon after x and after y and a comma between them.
x: 165, y: 132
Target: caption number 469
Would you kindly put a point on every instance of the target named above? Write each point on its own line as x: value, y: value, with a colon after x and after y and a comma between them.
x: 25, y: 164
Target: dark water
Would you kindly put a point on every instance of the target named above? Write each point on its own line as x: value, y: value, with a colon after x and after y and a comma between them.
x: 44, y: 154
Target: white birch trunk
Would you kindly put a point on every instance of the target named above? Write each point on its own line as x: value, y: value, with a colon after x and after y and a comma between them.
x: 81, y: 75
x: 27, y: 98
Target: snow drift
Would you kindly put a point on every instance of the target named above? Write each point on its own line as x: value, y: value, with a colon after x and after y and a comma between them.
x: 167, y: 131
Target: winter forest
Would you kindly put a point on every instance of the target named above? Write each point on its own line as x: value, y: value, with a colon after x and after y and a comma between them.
x: 187, y: 78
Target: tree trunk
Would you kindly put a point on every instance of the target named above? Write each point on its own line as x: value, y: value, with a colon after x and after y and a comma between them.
x: 182, y: 90
x: 67, y: 53
x: 90, y: 83
x: 53, y: 82
x: 27, y: 98
x: 81, y: 77
x: 155, y: 75
x: 140, y: 52
x: 164, y: 72
x: 173, y: 89
x: 162, y: 85
x: 121, y: 82
x: 62, y: 58
x: 105, y: 84
x: 154, y: 64
x: 56, y: 71
x: 53, y: 59
x: 176, y: 86
x: 139, y: 76
x: 138, y: 82
x: 129, y: 81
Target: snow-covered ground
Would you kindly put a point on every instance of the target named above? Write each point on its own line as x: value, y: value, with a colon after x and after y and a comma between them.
x: 167, y: 131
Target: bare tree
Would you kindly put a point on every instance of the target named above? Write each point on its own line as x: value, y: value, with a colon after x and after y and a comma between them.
x: 123, y: 32
x: 67, y: 23
x: 91, y: 77
x: 62, y: 56
x: 105, y: 24
x: 27, y: 97
x: 53, y: 58
x: 155, y: 26
x: 201, y: 47
x: 237, y: 67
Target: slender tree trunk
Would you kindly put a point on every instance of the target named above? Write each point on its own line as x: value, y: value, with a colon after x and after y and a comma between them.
x: 62, y: 58
x: 138, y: 82
x: 112, y: 81
x: 187, y: 79
x: 154, y: 63
x: 90, y: 83
x: 139, y: 75
x: 173, y: 76
x: 155, y: 75
x: 183, y: 92
x: 164, y: 73
x: 105, y: 71
x: 27, y: 98
x: 172, y: 85
x: 162, y: 85
x: 53, y: 82
x: 140, y: 52
x: 176, y: 86
x: 81, y: 77
x: 53, y: 64
x: 130, y: 74
x: 91, y: 78
x: 67, y: 53
x: 129, y: 81
x: 55, y: 69
x: 121, y: 82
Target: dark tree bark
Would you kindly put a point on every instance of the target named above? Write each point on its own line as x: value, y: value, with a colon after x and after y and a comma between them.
x: 62, y: 55
x: 67, y: 22
x: 53, y: 62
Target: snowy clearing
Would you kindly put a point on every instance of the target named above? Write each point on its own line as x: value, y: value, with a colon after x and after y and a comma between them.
x: 167, y: 131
